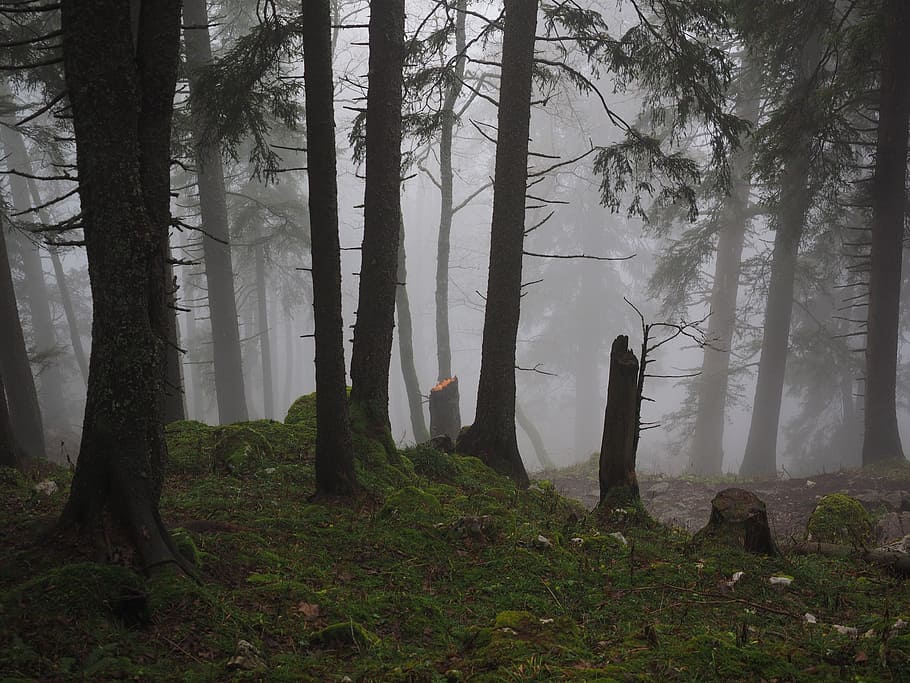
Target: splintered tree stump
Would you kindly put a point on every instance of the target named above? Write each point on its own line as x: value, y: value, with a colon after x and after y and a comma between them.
x: 739, y: 519
x: 618, y: 483
x: 445, y: 414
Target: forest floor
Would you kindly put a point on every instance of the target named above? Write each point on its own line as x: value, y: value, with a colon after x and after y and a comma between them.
x: 685, y: 502
x: 441, y: 571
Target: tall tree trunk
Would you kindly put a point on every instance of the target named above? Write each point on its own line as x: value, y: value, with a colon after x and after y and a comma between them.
x: 50, y: 379
x: 219, y: 270
x: 174, y: 396
x: 492, y: 436
x: 24, y: 410
x: 262, y: 323
x: 618, y: 481
x: 707, y: 450
x: 121, y: 87
x: 446, y: 183
x: 529, y: 428
x: 334, y: 449
x: 194, y: 357
x: 290, y: 352
x: 406, y: 347
x: 881, y: 438
x: 10, y: 453
x: 760, y: 457
x: 372, y: 350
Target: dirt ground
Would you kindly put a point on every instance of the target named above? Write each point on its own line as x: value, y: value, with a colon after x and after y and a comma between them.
x: 687, y: 503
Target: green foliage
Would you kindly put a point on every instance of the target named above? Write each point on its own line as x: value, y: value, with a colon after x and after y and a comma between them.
x: 840, y: 519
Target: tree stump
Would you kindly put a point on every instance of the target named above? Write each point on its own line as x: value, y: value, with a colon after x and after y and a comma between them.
x: 617, y: 449
x: 445, y: 413
x: 739, y: 519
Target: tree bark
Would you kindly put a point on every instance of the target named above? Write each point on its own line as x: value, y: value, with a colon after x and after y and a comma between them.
x: 618, y: 481
x: 406, y: 346
x: 760, y: 457
x: 372, y: 350
x: 50, y: 379
x: 534, y: 437
x: 24, y: 410
x: 492, y: 436
x: 121, y: 87
x: 446, y: 212
x: 707, y: 450
x: 10, y: 453
x: 445, y: 409
x: 334, y: 450
x: 174, y: 397
x: 881, y: 437
x: 219, y: 270
x: 739, y: 519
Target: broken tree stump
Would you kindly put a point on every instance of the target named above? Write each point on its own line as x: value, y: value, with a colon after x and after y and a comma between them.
x: 618, y: 482
x: 739, y: 519
x: 445, y: 413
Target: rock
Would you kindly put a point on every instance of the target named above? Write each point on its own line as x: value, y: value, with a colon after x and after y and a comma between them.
x: 479, y: 528
x: 841, y: 520
x: 739, y: 519
x: 658, y: 488
x: 542, y: 542
x: 246, y: 657
x: 48, y: 487
x: 892, y: 527
x: 443, y: 443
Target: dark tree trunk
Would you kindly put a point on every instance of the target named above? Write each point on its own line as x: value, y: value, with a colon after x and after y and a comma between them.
x: 50, y: 380
x: 618, y: 482
x: 707, y: 451
x: 174, y: 398
x: 265, y: 340
x: 406, y: 347
x: 195, y: 358
x: 10, y: 453
x: 290, y: 352
x: 334, y: 449
x: 446, y: 210
x: 760, y: 457
x: 738, y: 519
x: 492, y: 436
x: 445, y: 409
x: 881, y: 438
x: 372, y: 349
x: 122, y: 89
x: 24, y: 411
x: 219, y: 270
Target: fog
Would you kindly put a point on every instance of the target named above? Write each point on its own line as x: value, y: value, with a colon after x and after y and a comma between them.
x: 572, y: 308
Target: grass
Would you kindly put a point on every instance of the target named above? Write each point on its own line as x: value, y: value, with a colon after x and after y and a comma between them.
x: 444, y: 571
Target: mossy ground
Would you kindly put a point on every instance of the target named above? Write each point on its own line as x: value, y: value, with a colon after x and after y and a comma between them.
x: 437, y: 574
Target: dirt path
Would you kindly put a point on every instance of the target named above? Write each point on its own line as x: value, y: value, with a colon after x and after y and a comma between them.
x: 687, y: 504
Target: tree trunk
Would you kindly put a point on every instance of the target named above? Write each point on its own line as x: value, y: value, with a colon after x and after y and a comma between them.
x: 121, y: 87
x: 446, y: 186
x: 174, y: 397
x: 406, y: 347
x: 50, y: 379
x: 492, y: 436
x: 534, y: 437
x: 24, y: 410
x: 219, y: 270
x: 738, y: 519
x: 881, y: 438
x: 10, y: 453
x: 265, y: 343
x: 194, y: 357
x: 618, y: 482
x: 290, y: 352
x: 445, y: 409
x: 760, y: 457
x: 707, y: 450
x: 372, y: 351
x: 334, y: 449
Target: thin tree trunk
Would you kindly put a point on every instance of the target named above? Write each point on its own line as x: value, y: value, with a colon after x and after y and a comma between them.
x: 334, y: 449
x: 174, y: 397
x: 219, y: 270
x: 707, y: 450
x: 50, y: 379
x: 529, y: 428
x: 446, y: 185
x: 760, y: 457
x: 372, y: 350
x: 406, y: 346
x: 881, y: 440
x: 265, y: 343
x: 10, y: 453
x: 24, y: 410
x: 290, y: 351
x: 492, y: 436
x: 192, y: 344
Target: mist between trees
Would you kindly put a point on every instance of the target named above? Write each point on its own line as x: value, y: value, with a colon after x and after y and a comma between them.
x: 201, y: 199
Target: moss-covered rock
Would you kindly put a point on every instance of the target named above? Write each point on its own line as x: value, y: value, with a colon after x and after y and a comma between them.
x: 347, y: 634
x: 411, y: 503
x: 840, y: 519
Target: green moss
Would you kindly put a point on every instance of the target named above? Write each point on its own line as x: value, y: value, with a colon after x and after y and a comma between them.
x: 840, y: 519
x: 412, y: 503
x: 348, y: 634
x: 187, y: 547
x: 188, y: 442
x: 433, y: 464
